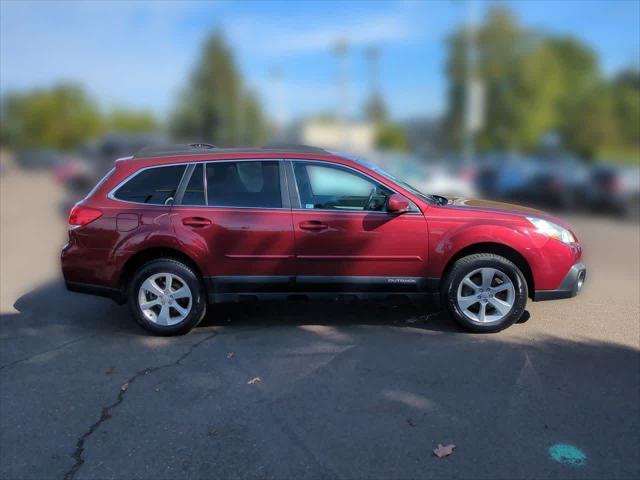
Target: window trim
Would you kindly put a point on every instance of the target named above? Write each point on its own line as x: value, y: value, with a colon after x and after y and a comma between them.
x: 112, y: 192
x: 184, y: 183
x: 284, y: 188
x: 101, y: 182
x: 297, y: 203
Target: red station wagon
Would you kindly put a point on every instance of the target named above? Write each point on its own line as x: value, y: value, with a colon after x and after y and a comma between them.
x: 171, y: 230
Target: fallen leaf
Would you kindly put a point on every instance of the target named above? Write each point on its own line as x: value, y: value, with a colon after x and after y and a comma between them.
x: 254, y: 380
x: 124, y: 387
x: 110, y: 370
x: 441, y: 451
x: 231, y: 355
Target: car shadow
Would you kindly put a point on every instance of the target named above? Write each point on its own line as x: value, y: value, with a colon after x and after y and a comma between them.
x: 52, y: 303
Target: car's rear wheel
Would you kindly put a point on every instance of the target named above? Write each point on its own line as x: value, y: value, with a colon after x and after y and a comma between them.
x: 485, y: 292
x: 166, y: 297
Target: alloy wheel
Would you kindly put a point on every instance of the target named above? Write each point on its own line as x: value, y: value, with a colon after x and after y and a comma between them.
x: 165, y: 299
x: 486, y: 295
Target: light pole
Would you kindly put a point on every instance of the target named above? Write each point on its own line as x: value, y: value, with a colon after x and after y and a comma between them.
x: 341, y: 50
x: 473, y: 98
x: 278, y: 94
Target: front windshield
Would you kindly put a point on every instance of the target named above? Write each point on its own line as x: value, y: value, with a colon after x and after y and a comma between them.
x: 402, y: 183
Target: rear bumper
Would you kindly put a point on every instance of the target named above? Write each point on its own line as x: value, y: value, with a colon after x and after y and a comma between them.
x: 570, y: 286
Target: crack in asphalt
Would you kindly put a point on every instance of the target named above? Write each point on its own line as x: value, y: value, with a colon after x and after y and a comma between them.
x: 53, y: 349
x: 106, y: 411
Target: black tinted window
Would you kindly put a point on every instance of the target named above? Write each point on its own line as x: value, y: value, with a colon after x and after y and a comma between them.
x: 153, y: 186
x: 194, y: 194
x: 244, y: 184
x: 334, y: 188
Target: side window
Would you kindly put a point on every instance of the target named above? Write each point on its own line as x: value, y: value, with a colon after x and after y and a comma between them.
x: 334, y: 188
x: 194, y: 193
x: 244, y: 184
x: 153, y: 186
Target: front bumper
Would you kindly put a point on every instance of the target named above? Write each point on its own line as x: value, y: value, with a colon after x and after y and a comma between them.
x: 570, y: 286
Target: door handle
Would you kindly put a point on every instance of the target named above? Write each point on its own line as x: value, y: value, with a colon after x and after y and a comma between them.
x: 196, y: 222
x: 313, y: 225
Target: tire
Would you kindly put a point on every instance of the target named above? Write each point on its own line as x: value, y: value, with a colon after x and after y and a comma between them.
x: 465, y: 292
x: 170, y: 312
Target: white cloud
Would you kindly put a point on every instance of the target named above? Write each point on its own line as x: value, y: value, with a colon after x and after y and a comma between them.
x: 394, y: 27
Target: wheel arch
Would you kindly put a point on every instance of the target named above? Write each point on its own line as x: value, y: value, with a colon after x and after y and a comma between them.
x: 153, y: 253
x: 498, y: 249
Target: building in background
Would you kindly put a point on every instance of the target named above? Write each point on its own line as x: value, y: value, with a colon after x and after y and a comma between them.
x: 356, y: 137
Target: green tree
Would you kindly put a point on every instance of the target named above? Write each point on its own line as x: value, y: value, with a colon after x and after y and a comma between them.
x: 375, y: 109
x: 499, y: 45
x: 60, y: 118
x: 391, y: 137
x: 583, y: 110
x: 215, y: 105
x: 124, y: 120
x: 625, y: 92
x: 590, y: 124
x: 534, y: 84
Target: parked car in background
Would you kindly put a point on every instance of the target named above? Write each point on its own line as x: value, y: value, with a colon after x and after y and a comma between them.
x: 170, y: 230
x: 559, y: 181
x: 79, y: 172
x: 38, y: 159
x: 615, y: 189
x: 440, y: 176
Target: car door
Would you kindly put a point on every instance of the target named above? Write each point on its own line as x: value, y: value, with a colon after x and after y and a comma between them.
x: 344, y: 237
x: 236, y: 215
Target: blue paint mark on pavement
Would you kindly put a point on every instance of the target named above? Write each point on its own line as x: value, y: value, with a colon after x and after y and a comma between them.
x: 567, y: 454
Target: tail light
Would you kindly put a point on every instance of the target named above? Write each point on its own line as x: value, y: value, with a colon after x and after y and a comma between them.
x: 80, y: 215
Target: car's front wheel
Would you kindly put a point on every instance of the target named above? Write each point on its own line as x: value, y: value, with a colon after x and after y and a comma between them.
x: 166, y: 297
x: 485, y: 292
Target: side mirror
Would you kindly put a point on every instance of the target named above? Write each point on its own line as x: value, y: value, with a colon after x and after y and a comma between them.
x: 397, y: 204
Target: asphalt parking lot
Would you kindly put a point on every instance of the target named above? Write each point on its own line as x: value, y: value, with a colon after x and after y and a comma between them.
x: 311, y: 390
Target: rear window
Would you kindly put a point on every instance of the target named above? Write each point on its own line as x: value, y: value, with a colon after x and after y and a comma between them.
x: 153, y: 186
x: 244, y: 184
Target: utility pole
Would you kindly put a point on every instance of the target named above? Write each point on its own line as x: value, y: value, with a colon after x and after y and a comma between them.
x: 374, y: 106
x: 278, y: 94
x: 473, y: 99
x: 373, y: 57
x: 342, y: 50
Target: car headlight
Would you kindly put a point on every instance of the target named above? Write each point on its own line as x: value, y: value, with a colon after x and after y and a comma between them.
x: 552, y: 230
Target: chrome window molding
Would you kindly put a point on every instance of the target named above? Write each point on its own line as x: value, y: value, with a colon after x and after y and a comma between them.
x: 111, y: 194
x: 231, y: 208
x: 417, y: 210
x: 205, y: 185
x: 295, y: 192
x: 366, y: 212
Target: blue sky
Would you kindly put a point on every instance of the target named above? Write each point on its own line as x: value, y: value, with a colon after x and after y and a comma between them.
x: 139, y: 54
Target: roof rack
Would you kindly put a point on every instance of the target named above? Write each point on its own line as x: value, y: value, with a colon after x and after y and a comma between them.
x: 178, y: 149
x: 201, y: 148
x: 294, y: 148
